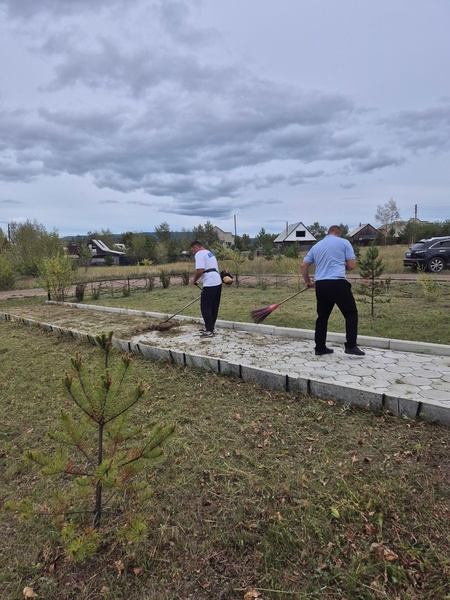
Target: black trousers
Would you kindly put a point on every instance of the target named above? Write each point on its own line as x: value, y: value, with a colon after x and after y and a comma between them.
x: 330, y: 292
x: 209, y: 305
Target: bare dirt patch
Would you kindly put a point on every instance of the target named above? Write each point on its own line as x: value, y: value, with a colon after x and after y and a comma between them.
x: 124, y: 325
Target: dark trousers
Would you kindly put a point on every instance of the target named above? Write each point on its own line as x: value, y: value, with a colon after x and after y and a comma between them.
x: 209, y: 305
x: 328, y: 293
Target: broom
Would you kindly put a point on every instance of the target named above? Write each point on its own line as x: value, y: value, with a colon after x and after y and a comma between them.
x: 260, y: 314
x: 181, y: 309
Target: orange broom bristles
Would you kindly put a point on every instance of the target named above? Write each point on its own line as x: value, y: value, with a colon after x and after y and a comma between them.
x: 260, y: 314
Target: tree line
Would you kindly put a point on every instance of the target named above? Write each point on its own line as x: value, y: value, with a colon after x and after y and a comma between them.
x: 25, y: 247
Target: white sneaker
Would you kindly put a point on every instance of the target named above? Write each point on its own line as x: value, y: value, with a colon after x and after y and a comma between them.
x: 207, y: 334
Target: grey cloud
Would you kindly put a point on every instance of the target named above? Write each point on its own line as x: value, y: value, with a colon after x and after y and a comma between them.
x: 174, y: 17
x: 379, y: 161
x: 422, y: 130
x: 301, y: 177
x: 8, y: 201
x: 139, y: 70
x: 26, y: 9
x: 347, y: 186
x: 141, y: 203
x: 175, y: 125
x: 204, y: 152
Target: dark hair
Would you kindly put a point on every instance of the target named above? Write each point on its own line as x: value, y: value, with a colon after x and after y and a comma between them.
x: 196, y: 243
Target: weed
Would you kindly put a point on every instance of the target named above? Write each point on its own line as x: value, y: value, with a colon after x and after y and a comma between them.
x: 164, y: 278
x: 429, y: 286
x: 185, y: 277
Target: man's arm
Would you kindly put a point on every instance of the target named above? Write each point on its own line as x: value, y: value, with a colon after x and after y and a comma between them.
x: 198, y: 274
x: 304, y: 270
x: 350, y: 264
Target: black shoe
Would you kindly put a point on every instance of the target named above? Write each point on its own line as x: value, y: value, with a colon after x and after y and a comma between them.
x: 324, y: 351
x: 355, y: 350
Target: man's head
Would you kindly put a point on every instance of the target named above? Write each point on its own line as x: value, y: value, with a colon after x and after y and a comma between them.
x: 196, y: 246
x: 335, y: 230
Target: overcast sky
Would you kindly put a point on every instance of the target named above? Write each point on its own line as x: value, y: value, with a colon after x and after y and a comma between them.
x: 123, y: 114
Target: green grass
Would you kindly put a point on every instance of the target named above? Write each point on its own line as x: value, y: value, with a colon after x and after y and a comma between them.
x: 405, y: 311
x: 284, y: 494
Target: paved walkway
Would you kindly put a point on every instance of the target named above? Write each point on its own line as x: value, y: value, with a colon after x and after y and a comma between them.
x: 407, y: 378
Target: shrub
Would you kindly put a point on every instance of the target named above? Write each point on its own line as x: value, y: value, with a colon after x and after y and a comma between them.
x: 79, y: 291
x: 185, y: 277
x: 57, y: 273
x: 7, y: 275
x: 428, y: 285
x: 164, y: 278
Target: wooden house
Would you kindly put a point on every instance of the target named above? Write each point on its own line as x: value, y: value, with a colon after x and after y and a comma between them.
x: 363, y: 235
x: 295, y: 235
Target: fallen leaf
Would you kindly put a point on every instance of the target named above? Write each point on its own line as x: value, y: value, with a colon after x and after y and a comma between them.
x: 28, y: 592
x: 251, y: 594
x: 120, y: 567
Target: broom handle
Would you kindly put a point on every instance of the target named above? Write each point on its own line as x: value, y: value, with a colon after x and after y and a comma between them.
x: 293, y: 296
x: 181, y: 309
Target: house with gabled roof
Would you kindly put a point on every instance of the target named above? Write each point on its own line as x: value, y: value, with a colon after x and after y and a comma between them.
x: 363, y: 235
x: 100, y: 251
x: 226, y: 238
x: 396, y: 229
x: 296, y: 234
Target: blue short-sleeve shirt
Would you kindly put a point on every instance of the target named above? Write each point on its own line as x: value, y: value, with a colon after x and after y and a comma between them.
x: 330, y: 256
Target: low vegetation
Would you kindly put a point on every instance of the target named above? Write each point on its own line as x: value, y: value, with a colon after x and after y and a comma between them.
x: 259, y: 495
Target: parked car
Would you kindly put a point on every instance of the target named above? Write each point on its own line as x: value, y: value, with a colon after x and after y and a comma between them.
x: 431, y: 254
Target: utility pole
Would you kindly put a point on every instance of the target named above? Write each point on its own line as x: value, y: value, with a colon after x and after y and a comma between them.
x: 414, y: 229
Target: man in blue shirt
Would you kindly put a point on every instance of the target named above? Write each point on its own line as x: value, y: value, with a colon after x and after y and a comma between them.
x: 333, y: 256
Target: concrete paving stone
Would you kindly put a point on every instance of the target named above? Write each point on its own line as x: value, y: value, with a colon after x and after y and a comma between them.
x: 401, y: 389
x: 435, y: 412
x: 177, y: 357
x: 267, y: 379
x: 361, y: 371
x: 419, y: 347
x: 398, y: 367
x: 297, y: 384
x: 323, y: 374
x: 415, y: 380
x: 430, y: 373
x: 442, y: 395
x: 229, y: 368
x: 346, y: 394
x: 343, y: 378
x: 402, y: 406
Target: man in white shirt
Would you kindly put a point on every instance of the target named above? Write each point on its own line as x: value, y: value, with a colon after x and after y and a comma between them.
x: 207, y: 269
